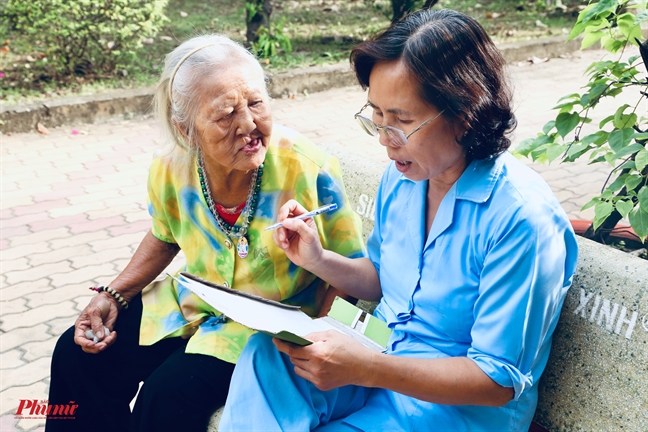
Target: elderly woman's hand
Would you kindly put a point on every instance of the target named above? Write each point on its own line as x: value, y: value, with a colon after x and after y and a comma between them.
x: 333, y: 360
x: 101, y: 311
x: 298, y: 238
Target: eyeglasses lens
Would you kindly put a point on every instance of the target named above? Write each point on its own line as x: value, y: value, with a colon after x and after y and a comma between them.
x: 396, y: 136
x: 367, y: 125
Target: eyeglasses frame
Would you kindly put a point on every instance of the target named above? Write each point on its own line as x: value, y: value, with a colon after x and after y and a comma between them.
x: 388, y: 128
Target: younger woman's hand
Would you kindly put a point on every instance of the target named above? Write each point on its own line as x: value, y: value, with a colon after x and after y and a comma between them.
x: 299, y: 239
x: 333, y: 360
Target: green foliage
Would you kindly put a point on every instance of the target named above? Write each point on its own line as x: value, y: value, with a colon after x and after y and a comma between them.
x: 620, y: 138
x: 271, y: 43
x: 85, y: 36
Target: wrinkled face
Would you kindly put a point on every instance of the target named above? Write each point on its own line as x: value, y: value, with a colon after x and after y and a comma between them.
x: 234, y: 121
x: 432, y: 152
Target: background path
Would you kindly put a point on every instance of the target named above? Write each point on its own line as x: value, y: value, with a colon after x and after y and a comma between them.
x: 73, y: 209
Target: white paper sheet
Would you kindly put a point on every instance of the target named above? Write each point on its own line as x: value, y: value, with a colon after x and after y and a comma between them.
x: 253, y: 313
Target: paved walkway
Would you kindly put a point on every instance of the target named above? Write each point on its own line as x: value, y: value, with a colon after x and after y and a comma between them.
x: 73, y: 210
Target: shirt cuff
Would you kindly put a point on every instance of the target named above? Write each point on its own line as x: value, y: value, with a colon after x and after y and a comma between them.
x: 503, y: 374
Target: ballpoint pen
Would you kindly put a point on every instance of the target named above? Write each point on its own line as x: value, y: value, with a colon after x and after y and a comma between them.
x: 323, y: 209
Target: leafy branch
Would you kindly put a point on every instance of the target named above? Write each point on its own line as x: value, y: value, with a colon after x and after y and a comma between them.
x: 620, y: 138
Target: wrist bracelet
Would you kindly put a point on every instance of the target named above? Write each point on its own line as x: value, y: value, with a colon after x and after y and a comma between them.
x: 113, y: 293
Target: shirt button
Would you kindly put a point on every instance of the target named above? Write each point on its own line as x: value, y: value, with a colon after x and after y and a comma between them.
x: 225, y: 284
x: 228, y: 244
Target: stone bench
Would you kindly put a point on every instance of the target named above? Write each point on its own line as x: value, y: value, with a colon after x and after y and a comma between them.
x: 597, y: 375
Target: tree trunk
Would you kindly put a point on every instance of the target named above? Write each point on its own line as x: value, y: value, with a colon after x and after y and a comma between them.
x: 257, y: 15
x: 429, y: 3
x: 403, y: 7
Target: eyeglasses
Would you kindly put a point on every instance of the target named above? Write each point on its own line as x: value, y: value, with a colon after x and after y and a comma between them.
x: 396, y: 136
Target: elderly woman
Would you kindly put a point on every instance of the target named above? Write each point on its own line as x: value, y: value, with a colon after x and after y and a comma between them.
x: 211, y: 197
x: 471, y: 256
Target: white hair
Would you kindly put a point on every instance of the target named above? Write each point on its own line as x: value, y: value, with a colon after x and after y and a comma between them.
x: 177, y: 106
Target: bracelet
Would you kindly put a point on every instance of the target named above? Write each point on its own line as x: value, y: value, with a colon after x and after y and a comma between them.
x: 113, y: 293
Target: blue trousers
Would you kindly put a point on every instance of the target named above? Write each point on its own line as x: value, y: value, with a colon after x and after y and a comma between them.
x: 266, y: 395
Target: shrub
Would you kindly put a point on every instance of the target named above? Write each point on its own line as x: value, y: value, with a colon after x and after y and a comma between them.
x: 85, y: 36
x: 619, y: 140
x: 271, y: 42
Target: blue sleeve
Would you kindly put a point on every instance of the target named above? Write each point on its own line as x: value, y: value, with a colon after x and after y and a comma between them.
x: 527, y: 271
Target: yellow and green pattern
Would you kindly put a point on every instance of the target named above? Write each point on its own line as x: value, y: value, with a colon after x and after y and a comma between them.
x: 294, y: 168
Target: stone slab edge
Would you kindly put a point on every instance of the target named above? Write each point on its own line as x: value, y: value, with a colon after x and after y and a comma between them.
x: 135, y: 102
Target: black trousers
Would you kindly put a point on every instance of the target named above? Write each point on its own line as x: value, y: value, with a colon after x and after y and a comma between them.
x: 180, y: 392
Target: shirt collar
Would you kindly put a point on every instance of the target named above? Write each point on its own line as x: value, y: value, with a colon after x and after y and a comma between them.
x: 478, y: 180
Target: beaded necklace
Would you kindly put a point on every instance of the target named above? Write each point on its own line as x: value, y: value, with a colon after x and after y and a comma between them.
x: 248, y: 212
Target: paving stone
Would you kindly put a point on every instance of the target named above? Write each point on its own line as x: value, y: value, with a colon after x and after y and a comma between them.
x: 16, y: 305
x: 9, y: 186
x: 135, y: 172
x: 36, y: 350
x: 6, y: 213
x: 10, y: 398
x: 66, y: 184
x: 65, y: 167
x: 137, y: 216
x: 78, y: 239
x: 100, y: 165
x: 40, y: 237
x: 62, y: 254
x: 39, y: 314
x: 63, y: 221
x: 135, y: 190
x: 23, y: 220
x: 101, y: 257
x: 58, y: 325
x: 54, y: 195
x: 15, y: 264
x: 78, y: 175
x: 58, y: 294
x: 121, y: 264
x: 83, y: 275
x: 17, y: 231
x: 117, y: 242
x: 97, y: 224
x: 10, y: 292
x: 32, y: 425
x: 76, y: 209
x: 81, y: 302
x: 115, y: 184
x: 20, y: 173
x: 142, y: 226
x: 39, y: 207
x: 11, y: 359
x: 15, y: 338
x: 36, y: 273
x: 96, y: 196
x: 15, y: 200
x: 24, y: 250
x: 118, y: 207
x: 27, y: 374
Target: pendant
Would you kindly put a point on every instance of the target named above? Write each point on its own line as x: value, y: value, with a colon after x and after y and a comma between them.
x: 242, y: 247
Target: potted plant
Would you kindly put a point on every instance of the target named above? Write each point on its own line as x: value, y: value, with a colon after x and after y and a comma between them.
x: 619, y: 140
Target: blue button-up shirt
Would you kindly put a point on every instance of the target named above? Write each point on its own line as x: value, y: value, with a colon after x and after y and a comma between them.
x: 487, y: 282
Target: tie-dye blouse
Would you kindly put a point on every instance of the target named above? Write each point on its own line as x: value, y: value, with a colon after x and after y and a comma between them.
x: 294, y: 168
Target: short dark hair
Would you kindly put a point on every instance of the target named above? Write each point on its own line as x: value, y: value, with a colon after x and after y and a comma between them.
x: 459, y: 68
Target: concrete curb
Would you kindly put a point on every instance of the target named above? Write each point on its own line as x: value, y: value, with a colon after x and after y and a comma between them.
x: 135, y: 102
